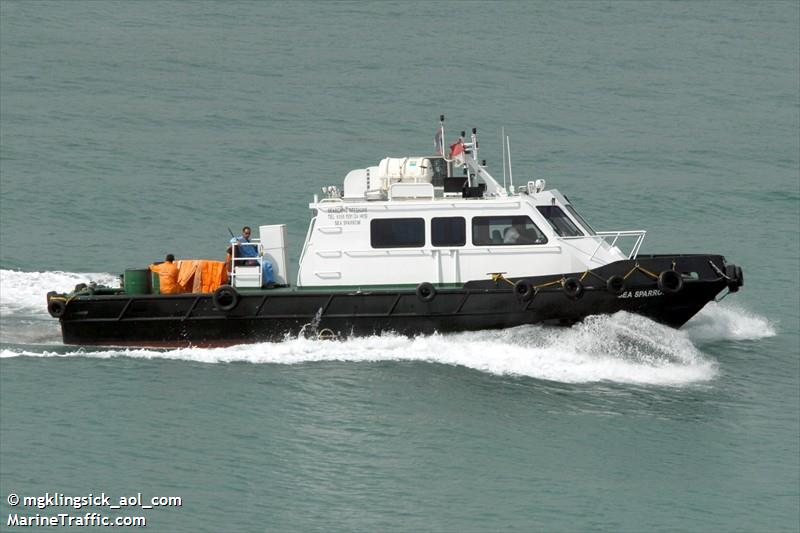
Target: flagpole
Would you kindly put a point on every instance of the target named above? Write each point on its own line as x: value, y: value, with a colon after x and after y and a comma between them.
x: 441, y: 129
x: 441, y: 132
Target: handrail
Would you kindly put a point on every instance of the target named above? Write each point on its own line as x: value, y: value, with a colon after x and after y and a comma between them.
x: 239, y: 261
x: 305, y: 247
x: 236, y: 258
x: 604, y: 235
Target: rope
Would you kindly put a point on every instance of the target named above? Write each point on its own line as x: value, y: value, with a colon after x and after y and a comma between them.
x: 718, y: 271
x: 556, y: 282
x: 640, y: 269
x: 631, y: 271
x: 595, y: 274
x: 654, y: 276
x: 498, y: 276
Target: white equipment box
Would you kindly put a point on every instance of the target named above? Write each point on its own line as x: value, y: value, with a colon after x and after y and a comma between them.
x: 273, y: 246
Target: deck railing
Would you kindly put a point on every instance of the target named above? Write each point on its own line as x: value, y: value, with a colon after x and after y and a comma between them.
x: 239, y: 261
x: 638, y: 234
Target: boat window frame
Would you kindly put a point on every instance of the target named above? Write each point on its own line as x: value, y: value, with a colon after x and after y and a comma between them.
x: 541, y: 239
x: 580, y: 220
x: 382, y: 246
x: 571, y: 230
x: 460, y: 244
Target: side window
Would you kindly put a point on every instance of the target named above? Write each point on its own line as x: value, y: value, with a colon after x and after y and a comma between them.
x: 505, y: 230
x: 397, y: 232
x: 559, y: 221
x: 449, y: 231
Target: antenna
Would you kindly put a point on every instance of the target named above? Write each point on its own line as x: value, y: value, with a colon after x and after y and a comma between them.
x: 503, y: 150
x: 510, y: 174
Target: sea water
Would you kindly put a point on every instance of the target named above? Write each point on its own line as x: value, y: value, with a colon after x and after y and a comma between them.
x: 133, y: 130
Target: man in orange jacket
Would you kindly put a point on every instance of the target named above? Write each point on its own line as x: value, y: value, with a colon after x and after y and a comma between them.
x: 167, y: 275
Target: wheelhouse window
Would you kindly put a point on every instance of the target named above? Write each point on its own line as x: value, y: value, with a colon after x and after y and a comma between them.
x: 397, y: 232
x: 448, y: 231
x: 505, y: 230
x: 559, y: 221
x: 580, y: 219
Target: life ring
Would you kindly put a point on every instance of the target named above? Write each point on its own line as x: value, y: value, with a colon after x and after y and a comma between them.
x: 670, y: 281
x: 56, y: 308
x: 225, y: 298
x: 426, y: 292
x: 615, y: 285
x: 524, y: 290
x: 573, y: 288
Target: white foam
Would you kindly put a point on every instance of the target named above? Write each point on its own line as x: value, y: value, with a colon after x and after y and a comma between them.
x: 728, y: 322
x: 622, y: 348
x: 26, y: 292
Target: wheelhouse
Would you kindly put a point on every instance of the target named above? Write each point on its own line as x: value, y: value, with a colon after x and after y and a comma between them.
x: 446, y: 220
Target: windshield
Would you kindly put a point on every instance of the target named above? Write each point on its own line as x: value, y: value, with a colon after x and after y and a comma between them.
x: 559, y: 221
x: 580, y: 220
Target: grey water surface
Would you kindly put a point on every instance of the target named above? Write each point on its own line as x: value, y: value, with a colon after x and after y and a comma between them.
x: 129, y: 130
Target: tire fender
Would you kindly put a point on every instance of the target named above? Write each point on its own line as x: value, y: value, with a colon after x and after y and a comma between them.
x: 56, y: 308
x: 225, y: 298
x: 426, y: 292
x: 616, y: 285
x: 735, y: 277
x: 524, y: 290
x: 670, y: 282
x: 573, y: 288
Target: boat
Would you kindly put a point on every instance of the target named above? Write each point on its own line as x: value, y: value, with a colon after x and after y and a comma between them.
x: 412, y: 245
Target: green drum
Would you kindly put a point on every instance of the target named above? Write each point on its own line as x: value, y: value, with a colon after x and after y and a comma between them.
x: 137, y: 281
x: 155, y: 283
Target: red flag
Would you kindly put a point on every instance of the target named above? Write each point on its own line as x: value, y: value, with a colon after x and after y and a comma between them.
x: 456, y: 149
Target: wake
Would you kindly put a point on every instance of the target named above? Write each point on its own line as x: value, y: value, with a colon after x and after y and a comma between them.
x: 623, y: 347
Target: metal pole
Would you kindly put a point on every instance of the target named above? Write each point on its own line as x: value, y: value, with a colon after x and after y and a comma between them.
x: 510, y: 173
x: 475, y: 144
x: 503, y: 150
x: 441, y: 133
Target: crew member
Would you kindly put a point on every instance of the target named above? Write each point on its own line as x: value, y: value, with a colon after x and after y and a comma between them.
x: 167, y: 275
x: 241, y: 247
x: 242, y: 252
x: 510, y: 235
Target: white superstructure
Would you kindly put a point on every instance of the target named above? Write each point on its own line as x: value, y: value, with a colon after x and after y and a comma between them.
x: 444, y: 221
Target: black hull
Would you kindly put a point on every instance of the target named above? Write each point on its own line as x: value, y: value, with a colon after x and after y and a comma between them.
x: 272, y: 315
